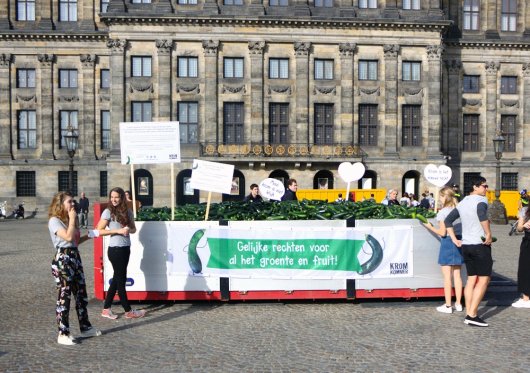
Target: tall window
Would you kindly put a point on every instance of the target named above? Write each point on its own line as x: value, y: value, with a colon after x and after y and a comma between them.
x: 509, y: 181
x: 323, y: 69
x: 509, y: 85
x: 141, y: 111
x: 104, y: 77
x: 27, y: 129
x: 411, y: 70
x: 278, y: 123
x: 67, y: 10
x: 188, y: 67
x: 323, y: 124
x: 68, y: 118
x: 233, y: 122
x: 26, y: 78
x: 189, y: 122
x: 471, y: 84
x: 233, y: 67
x: 411, y: 134
x: 26, y: 184
x: 323, y: 3
x: 471, y: 133
x: 509, y: 15
x: 278, y: 68
x: 63, y: 179
x: 141, y: 1
x: 233, y: 2
x: 508, y: 131
x: 368, y: 125
x: 103, y: 183
x: 104, y: 5
x: 187, y: 2
x: 411, y: 4
x: 141, y: 66
x: 67, y: 78
x: 105, y: 129
x: 372, y: 4
x: 278, y: 2
x: 367, y: 70
x: 25, y: 10
x: 471, y: 14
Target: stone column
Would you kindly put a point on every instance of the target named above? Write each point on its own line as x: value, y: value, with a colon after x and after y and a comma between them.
x: 492, y: 28
x: 491, y: 125
x: 87, y: 123
x: 118, y: 92
x: 526, y: 112
x: 46, y: 122
x: 210, y: 130
x: 434, y: 80
x: 302, y: 133
x: 5, y: 118
x: 390, y: 122
x: 164, y: 72
x: 454, y: 132
x: 347, y: 131
x: 255, y: 131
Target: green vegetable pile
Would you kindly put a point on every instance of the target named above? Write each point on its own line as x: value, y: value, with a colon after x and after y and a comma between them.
x: 288, y: 210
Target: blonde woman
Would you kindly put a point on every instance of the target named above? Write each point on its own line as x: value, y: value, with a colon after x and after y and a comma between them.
x: 450, y: 256
x: 67, y: 268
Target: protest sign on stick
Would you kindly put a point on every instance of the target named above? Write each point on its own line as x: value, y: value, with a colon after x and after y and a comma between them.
x: 438, y: 176
x: 350, y: 172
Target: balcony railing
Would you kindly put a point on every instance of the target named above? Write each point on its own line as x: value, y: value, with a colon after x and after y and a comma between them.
x: 281, y: 150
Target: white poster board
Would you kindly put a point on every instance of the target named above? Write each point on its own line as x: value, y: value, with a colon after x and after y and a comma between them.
x: 149, y: 142
x: 211, y: 176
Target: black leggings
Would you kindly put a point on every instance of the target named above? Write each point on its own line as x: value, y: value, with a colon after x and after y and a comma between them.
x: 119, y: 257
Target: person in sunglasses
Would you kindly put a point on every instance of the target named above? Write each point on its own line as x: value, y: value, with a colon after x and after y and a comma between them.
x: 476, y: 246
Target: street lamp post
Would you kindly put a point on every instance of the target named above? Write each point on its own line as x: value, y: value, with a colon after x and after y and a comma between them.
x: 72, y: 141
x: 498, y: 210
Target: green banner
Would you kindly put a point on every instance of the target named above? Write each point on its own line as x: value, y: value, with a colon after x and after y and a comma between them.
x: 311, y: 254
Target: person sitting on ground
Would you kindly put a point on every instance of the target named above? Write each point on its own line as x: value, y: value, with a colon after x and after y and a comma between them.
x: 254, y: 194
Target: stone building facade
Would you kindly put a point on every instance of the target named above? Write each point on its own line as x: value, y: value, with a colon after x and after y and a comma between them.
x: 279, y: 88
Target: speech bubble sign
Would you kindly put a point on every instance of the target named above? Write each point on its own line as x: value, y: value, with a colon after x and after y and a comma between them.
x: 271, y: 189
x: 437, y: 175
x: 351, y: 172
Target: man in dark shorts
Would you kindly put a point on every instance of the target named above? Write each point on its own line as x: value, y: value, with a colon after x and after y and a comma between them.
x: 473, y: 213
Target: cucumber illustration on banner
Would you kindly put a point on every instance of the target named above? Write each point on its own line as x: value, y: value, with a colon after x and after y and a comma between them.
x: 324, y: 254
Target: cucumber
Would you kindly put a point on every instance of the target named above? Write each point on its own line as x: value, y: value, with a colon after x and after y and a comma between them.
x: 376, y: 258
x: 493, y: 239
x: 193, y: 258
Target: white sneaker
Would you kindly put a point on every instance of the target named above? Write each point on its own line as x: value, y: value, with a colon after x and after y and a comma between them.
x: 444, y: 309
x: 458, y: 308
x: 66, y: 340
x: 521, y: 303
x: 92, y: 332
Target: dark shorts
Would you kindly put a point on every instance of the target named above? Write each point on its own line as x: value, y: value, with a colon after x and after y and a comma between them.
x: 478, y: 259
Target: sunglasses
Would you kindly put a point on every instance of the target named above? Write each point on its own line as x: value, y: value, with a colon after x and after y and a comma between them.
x: 483, y: 185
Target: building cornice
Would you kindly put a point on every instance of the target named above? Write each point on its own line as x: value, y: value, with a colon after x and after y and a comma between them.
x: 488, y: 44
x: 43, y: 35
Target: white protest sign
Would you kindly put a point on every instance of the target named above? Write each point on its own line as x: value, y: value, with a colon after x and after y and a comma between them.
x: 271, y: 189
x: 437, y: 175
x: 212, y: 176
x: 351, y: 172
x: 149, y: 142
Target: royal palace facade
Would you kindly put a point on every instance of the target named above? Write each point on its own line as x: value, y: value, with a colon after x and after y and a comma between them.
x: 279, y: 88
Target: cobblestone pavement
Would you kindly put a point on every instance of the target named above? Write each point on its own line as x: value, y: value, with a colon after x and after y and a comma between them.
x: 372, y: 336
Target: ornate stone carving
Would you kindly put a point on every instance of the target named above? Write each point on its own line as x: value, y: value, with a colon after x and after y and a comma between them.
x: 5, y: 59
x: 46, y: 60
x: 73, y: 98
x: 280, y: 89
x: 369, y: 91
x: 471, y: 102
x: 164, y: 46
x: 413, y: 92
x: 434, y: 52
x: 347, y: 49
x: 391, y: 50
x: 230, y: 89
x: 510, y: 103
x: 325, y: 90
x: 181, y: 88
x: 302, y: 48
x: 210, y: 47
x: 256, y: 47
x: 25, y: 98
x: 141, y: 85
x: 116, y: 45
x: 526, y: 69
x: 491, y: 67
x: 453, y: 66
x: 88, y: 60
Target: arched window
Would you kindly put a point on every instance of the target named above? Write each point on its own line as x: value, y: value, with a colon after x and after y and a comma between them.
x: 368, y: 181
x: 185, y: 194
x: 323, y: 180
x: 143, y: 185
x: 237, y: 192
x: 410, y: 183
x: 280, y: 175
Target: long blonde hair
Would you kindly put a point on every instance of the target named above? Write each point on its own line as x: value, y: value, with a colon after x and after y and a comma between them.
x: 56, y: 208
x: 448, y: 197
